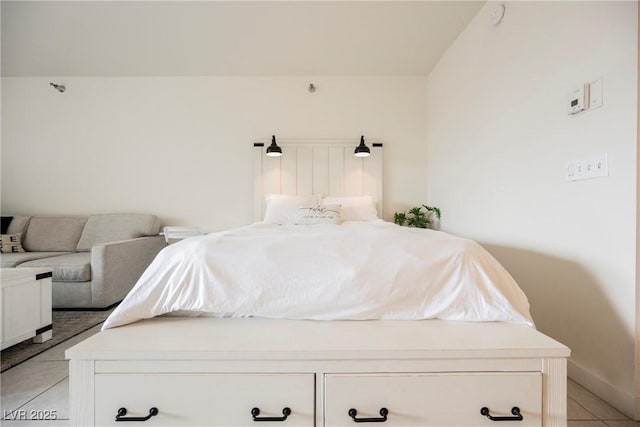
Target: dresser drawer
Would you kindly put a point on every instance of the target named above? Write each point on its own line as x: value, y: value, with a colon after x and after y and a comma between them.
x: 205, y: 399
x: 448, y: 399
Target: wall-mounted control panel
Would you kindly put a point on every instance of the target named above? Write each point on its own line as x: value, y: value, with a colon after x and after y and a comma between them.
x: 585, y: 97
x: 577, y: 99
x: 590, y: 167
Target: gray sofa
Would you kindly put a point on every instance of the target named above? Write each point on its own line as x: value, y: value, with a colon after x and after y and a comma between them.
x: 95, y: 259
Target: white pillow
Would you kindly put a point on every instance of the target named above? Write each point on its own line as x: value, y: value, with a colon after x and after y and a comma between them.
x: 319, y: 214
x: 281, y: 208
x: 354, y: 208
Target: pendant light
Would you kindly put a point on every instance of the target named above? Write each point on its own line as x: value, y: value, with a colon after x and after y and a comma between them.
x: 362, y: 150
x: 274, y: 150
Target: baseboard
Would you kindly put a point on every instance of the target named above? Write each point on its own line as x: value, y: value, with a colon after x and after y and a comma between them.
x: 622, y: 401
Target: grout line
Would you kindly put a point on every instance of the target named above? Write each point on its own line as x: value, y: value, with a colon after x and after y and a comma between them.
x: 36, y: 396
x: 595, y: 417
x: 40, y: 394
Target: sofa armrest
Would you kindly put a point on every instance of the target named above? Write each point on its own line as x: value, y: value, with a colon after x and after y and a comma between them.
x: 117, y: 266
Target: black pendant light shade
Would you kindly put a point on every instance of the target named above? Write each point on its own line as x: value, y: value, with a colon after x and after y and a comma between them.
x: 273, y: 150
x: 362, y: 150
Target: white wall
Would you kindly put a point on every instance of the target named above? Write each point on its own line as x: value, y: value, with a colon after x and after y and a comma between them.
x: 181, y: 147
x: 498, y: 139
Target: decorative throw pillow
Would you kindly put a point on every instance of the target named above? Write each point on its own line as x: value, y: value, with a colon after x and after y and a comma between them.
x: 10, y: 243
x: 319, y: 214
x: 4, y: 224
x: 280, y: 208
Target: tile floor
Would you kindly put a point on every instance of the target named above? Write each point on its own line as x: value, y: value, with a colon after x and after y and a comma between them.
x: 39, y: 384
x: 42, y: 384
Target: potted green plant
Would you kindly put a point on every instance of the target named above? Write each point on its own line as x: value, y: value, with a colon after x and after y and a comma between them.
x: 420, y: 217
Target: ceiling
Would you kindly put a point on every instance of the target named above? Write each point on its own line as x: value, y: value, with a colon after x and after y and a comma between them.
x: 189, y: 38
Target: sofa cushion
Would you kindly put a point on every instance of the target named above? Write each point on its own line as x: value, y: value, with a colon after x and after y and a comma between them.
x: 105, y: 228
x: 18, y: 224
x: 13, y: 260
x: 74, y: 267
x: 53, y: 233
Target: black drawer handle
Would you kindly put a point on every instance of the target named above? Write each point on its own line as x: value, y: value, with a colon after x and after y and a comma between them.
x: 515, y: 411
x: 256, y: 411
x: 123, y: 411
x: 383, y: 413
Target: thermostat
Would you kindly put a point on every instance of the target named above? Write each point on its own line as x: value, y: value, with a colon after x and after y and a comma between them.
x: 578, y: 98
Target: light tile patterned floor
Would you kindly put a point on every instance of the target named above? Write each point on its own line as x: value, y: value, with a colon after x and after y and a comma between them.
x: 584, y: 409
x: 42, y: 383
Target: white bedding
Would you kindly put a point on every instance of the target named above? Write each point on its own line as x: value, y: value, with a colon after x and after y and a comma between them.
x: 357, y: 270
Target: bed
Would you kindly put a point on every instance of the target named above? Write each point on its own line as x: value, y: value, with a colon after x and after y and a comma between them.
x: 321, y: 315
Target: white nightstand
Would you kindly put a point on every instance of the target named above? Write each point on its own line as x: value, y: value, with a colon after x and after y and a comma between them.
x: 174, y: 233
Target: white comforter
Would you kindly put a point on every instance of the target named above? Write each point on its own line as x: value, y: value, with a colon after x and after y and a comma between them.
x: 325, y: 272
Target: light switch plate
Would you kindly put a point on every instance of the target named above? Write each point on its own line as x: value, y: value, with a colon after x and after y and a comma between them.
x: 595, y: 93
x: 599, y: 166
x: 596, y: 166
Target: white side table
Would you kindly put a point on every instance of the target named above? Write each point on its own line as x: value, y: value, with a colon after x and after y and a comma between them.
x: 25, y: 305
x: 174, y: 233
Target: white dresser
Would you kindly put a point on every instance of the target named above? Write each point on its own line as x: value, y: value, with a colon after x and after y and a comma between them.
x: 25, y: 302
x: 239, y: 372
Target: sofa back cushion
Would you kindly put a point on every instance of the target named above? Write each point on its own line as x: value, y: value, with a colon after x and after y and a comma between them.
x: 105, y: 228
x: 53, y: 233
x: 18, y: 224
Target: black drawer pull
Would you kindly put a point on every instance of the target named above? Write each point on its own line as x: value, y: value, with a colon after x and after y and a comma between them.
x: 515, y: 411
x: 256, y: 411
x: 123, y: 411
x: 383, y: 413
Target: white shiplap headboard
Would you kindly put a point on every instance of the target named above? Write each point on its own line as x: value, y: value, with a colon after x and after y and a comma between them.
x: 317, y: 167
